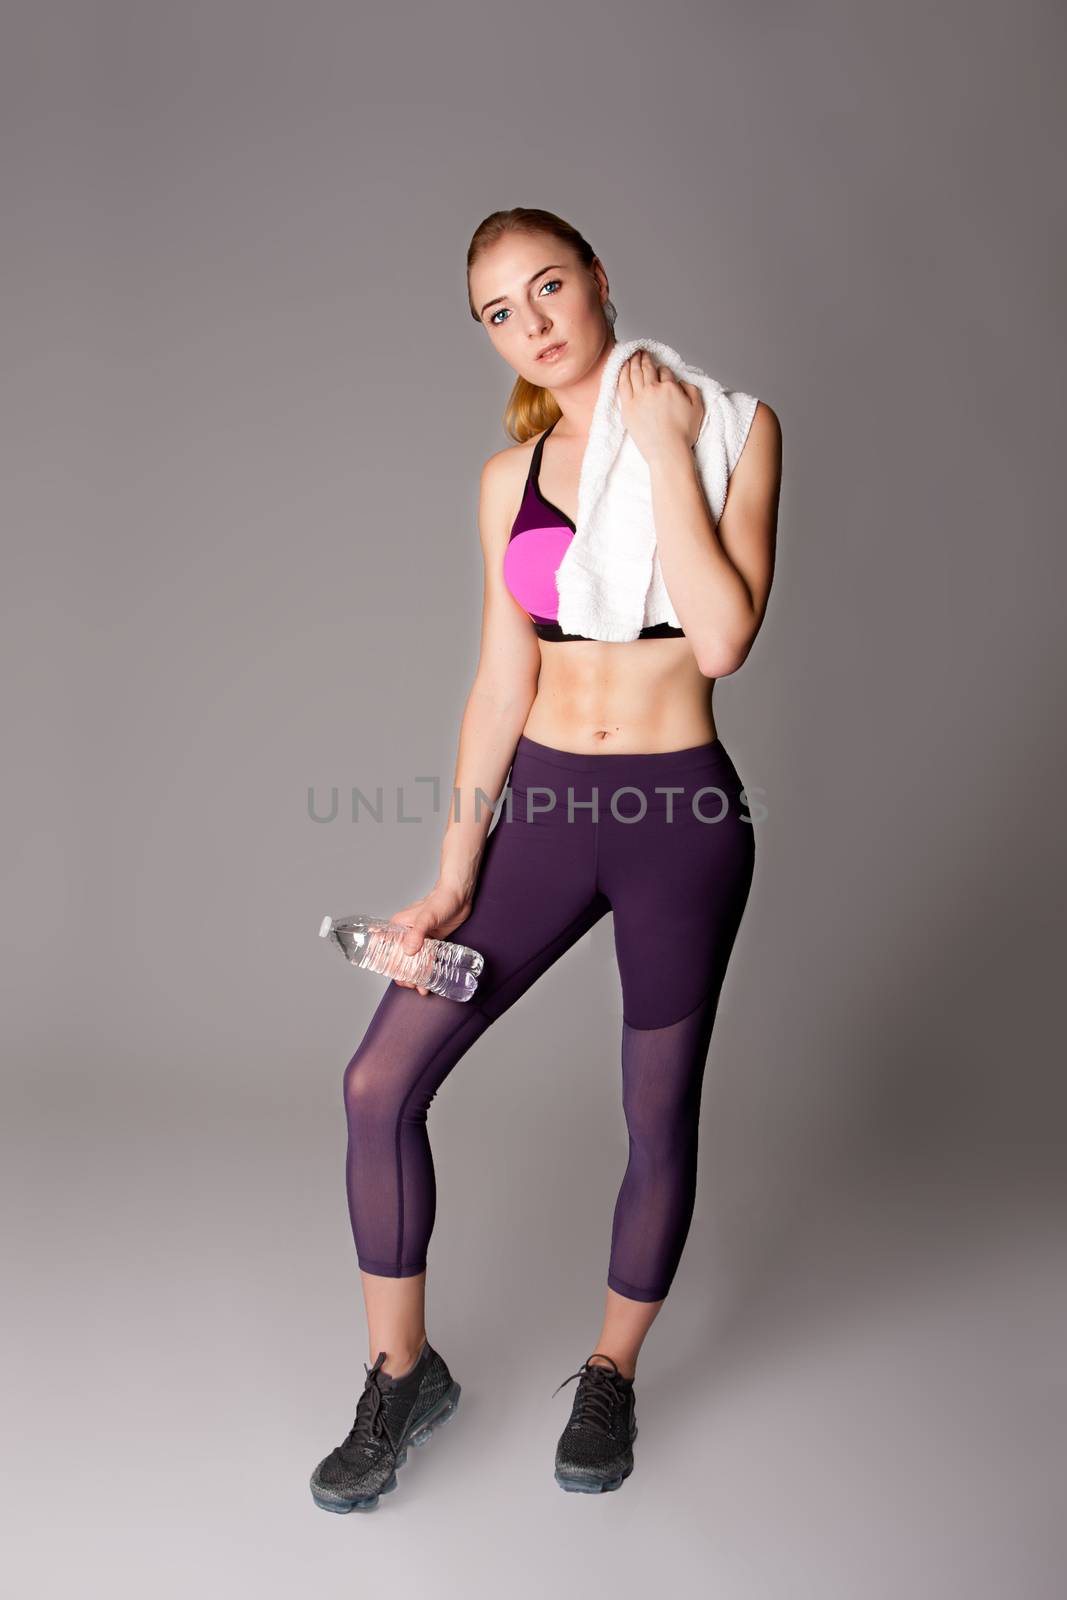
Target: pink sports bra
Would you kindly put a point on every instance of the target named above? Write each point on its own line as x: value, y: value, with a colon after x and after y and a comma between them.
x: 539, y: 538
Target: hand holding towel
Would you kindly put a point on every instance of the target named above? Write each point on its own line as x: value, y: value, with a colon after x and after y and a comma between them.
x: 609, y: 582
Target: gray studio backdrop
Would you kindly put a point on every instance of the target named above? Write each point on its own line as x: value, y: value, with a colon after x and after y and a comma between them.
x: 245, y: 414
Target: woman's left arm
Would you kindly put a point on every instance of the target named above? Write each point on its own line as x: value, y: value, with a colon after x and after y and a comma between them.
x: 719, y: 579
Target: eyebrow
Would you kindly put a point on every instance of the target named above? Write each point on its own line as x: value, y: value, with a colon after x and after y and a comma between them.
x: 553, y: 266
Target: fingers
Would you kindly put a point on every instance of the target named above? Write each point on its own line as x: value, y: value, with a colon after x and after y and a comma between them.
x: 412, y: 942
x: 632, y: 372
x: 423, y: 928
x: 640, y: 368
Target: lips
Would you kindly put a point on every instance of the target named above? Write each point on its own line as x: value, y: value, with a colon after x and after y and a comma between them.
x: 551, y: 349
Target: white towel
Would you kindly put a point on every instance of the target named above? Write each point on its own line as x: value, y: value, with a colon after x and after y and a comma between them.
x: 609, y: 582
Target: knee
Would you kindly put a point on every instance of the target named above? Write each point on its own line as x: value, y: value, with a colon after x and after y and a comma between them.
x: 661, y: 1121
x: 371, y: 1093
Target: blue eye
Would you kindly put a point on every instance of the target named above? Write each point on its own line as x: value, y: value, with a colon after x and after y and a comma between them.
x: 503, y: 309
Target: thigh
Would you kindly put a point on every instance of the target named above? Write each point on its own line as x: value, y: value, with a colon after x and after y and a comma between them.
x: 535, y: 897
x: 678, y: 884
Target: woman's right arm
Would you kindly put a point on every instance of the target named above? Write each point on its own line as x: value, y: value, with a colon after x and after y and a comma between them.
x: 498, y: 704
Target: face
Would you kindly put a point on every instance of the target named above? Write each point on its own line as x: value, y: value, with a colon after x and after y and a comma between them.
x: 540, y: 294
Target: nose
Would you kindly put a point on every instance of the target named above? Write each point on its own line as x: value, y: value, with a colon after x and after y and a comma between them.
x: 537, y: 324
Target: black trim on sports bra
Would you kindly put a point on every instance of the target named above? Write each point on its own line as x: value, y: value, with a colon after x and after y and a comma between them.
x: 534, y: 475
x: 655, y: 630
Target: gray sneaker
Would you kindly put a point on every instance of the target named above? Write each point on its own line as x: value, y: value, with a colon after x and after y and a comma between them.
x: 596, y: 1449
x: 391, y: 1414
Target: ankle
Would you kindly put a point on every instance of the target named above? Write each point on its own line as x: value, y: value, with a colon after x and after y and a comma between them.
x: 400, y: 1359
x: 626, y: 1364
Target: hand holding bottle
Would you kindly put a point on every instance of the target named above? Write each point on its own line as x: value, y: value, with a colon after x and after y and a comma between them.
x: 434, y: 916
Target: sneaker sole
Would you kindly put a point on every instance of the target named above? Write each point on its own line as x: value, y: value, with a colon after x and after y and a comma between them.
x: 576, y: 1485
x: 592, y: 1485
x: 445, y: 1408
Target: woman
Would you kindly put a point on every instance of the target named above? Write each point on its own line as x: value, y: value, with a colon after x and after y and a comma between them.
x: 601, y: 739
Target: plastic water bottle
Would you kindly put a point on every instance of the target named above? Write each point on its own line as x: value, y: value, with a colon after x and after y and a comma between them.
x: 445, y: 968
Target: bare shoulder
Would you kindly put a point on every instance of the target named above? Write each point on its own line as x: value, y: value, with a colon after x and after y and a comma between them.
x: 760, y: 462
x: 765, y: 433
x: 504, y: 465
x: 766, y: 419
x: 502, y: 482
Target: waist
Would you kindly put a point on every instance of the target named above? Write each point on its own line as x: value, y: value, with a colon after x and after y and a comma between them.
x: 618, y: 783
x: 530, y: 753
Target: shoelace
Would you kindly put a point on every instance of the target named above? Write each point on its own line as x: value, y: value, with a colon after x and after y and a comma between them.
x: 597, y: 1397
x: 370, y: 1419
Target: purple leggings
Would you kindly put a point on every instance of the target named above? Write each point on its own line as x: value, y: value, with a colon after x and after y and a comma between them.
x: 578, y: 836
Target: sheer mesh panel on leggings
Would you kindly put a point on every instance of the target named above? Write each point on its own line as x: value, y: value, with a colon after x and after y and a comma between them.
x: 662, y: 1076
x: 411, y: 1043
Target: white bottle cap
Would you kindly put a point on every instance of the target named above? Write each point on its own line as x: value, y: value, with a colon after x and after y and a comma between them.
x: 327, y: 924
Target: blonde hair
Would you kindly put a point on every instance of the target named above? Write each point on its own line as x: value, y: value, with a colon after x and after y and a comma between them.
x: 530, y: 409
